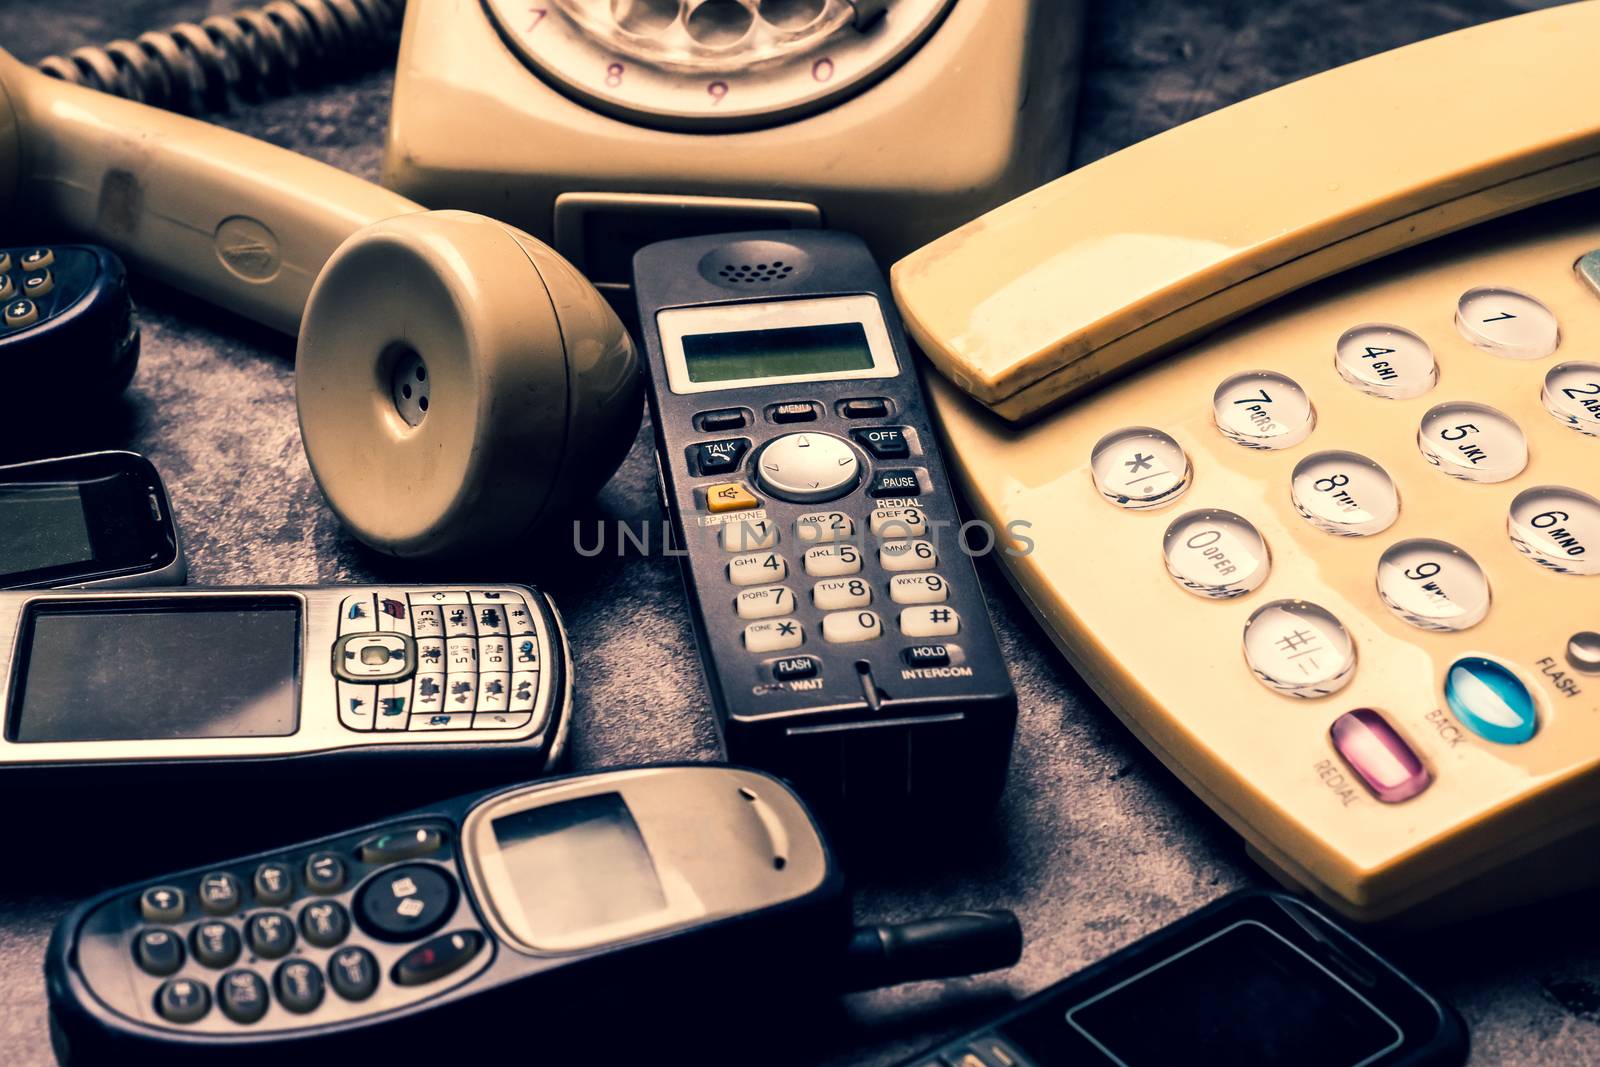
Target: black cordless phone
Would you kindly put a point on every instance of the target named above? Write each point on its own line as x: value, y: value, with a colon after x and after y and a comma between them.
x: 1255, y: 978
x: 842, y: 628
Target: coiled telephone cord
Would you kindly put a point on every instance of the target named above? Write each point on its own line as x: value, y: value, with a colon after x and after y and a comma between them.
x: 250, y: 54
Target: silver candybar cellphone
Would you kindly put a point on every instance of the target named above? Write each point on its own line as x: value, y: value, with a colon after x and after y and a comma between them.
x: 362, y: 676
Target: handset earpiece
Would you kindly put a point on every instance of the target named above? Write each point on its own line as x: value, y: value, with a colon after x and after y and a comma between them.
x: 529, y: 379
x: 435, y: 419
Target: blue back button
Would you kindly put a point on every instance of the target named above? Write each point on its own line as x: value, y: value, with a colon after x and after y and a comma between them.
x: 1490, y: 700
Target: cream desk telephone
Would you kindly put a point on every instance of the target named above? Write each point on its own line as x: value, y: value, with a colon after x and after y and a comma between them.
x: 1338, y: 565
x: 458, y: 383
x: 604, y: 125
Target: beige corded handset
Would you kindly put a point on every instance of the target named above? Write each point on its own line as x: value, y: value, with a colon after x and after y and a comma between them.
x: 458, y: 382
x: 1337, y: 564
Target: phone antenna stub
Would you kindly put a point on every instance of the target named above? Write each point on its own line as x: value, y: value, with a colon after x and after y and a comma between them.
x: 459, y: 385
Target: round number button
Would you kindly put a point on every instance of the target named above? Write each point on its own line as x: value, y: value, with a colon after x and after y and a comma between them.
x: 1572, y: 395
x: 1139, y: 468
x: 1558, y: 528
x: 806, y: 467
x: 1385, y: 361
x: 1263, y: 409
x: 1215, y: 554
x: 353, y: 972
x: 1344, y: 493
x: 182, y: 1000
x: 1433, y: 585
x: 1299, y: 649
x: 1473, y: 442
x: 324, y: 923
x: 215, y: 944
x: 243, y: 996
x: 1507, y: 322
x: 299, y: 985
x: 270, y: 933
x: 158, y: 951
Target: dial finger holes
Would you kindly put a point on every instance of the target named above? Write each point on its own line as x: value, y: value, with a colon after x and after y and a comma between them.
x: 646, y: 18
x: 719, y: 23
x: 792, y: 15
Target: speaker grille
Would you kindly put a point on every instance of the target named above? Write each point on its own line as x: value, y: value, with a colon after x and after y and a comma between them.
x: 752, y: 274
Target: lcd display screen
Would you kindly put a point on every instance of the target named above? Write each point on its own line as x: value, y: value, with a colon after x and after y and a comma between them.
x: 155, y: 669
x: 1245, y: 995
x: 577, y: 866
x: 42, y: 524
x: 754, y: 355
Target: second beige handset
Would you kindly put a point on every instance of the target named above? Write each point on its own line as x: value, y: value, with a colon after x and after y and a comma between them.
x: 1337, y: 564
x: 459, y: 383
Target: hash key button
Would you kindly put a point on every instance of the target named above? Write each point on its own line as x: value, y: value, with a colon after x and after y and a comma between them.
x: 929, y: 621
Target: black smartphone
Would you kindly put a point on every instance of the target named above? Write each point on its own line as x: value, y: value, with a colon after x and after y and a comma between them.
x: 1256, y: 978
x: 100, y: 519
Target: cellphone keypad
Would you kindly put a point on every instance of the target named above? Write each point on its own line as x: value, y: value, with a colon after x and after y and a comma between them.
x: 362, y: 924
x: 429, y: 659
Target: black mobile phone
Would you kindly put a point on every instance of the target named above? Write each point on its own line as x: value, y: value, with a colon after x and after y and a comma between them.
x: 100, y: 519
x: 843, y: 632
x: 1256, y: 978
x: 497, y: 917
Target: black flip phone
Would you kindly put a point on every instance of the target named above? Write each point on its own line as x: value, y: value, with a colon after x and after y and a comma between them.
x: 101, y: 519
x: 1256, y: 978
x: 844, y: 635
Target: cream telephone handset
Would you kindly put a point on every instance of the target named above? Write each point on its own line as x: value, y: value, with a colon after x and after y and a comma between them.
x: 604, y: 125
x: 1336, y: 564
x: 458, y: 382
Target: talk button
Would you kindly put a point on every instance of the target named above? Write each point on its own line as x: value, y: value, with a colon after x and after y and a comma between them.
x: 1490, y: 700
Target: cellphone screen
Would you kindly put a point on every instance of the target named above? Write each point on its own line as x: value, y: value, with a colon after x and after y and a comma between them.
x: 577, y: 866
x: 137, y: 669
x: 42, y: 525
x: 1242, y: 995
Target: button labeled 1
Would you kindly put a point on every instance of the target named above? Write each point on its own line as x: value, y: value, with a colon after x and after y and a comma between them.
x: 1507, y: 322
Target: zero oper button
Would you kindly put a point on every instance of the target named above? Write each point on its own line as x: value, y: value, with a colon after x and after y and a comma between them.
x: 1299, y: 649
x: 1263, y: 409
x: 1385, y: 361
x: 1490, y: 701
x: 1215, y: 554
x: 1507, y: 322
x: 1139, y: 467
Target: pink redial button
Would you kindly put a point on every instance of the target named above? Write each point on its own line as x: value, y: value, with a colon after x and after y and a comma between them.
x: 1379, y: 756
